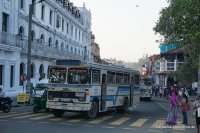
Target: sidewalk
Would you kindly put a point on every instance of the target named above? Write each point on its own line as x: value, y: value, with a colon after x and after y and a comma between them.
x: 15, y: 104
x: 165, y: 104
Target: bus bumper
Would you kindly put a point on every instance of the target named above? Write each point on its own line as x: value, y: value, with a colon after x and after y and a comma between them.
x: 69, y: 106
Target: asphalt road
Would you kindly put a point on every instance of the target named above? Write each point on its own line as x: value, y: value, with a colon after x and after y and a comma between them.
x: 149, y: 117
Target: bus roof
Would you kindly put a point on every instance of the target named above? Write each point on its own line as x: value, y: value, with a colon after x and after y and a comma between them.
x: 109, y: 67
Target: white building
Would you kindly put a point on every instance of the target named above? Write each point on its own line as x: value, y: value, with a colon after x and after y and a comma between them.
x: 60, y: 30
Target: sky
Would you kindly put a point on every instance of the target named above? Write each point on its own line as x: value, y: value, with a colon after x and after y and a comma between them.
x: 124, y: 28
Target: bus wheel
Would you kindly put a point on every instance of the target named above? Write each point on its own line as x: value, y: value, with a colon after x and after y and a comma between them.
x: 58, y: 113
x: 124, y: 107
x: 36, y: 109
x: 92, y: 113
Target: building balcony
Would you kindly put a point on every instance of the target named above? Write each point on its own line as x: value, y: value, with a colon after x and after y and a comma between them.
x: 38, y: 49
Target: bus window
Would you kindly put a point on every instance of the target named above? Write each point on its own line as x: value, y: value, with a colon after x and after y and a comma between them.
x: 119, y: 78
x: 57, y: 75
x: 126, y: 79
x: 95, y: 76
x: 78, y: 76
x: 137, y: 80
x: 111, y: 78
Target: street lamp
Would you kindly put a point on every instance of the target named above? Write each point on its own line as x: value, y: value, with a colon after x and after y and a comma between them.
x: 29, y: 46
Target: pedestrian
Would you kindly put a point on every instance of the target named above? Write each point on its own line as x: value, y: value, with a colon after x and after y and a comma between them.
x: 172, y: 115
x: 184, y: 106
x: 196, y: 106
x: 156, y: 91
x: 160, y: 90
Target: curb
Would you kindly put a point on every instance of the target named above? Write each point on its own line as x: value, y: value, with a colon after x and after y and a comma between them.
x: 21, y: 105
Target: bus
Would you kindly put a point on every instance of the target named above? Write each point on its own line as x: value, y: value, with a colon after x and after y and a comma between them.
x: 91, y: 88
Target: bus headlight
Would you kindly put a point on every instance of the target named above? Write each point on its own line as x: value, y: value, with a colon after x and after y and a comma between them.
x: 81, y: 96
x: 50, y: 97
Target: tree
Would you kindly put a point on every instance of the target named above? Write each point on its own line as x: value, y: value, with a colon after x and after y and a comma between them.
x: 180, y: 22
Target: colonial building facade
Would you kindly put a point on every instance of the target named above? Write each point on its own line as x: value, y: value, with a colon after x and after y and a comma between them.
x: 164, y: 65
x: 60, y: 30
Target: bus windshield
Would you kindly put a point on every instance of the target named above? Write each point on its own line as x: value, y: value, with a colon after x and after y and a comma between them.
x: 78, y: 76
x: 57, y: 75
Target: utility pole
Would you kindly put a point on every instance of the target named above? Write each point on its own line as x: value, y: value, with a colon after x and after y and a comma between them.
x: 28, y: 85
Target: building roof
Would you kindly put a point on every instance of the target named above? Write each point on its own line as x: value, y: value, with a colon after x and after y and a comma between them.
x: 174, y: 51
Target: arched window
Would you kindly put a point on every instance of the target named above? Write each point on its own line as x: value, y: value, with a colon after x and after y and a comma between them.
x: 21, y: 32
x: 42, y: 39
x: 48, y: 71
x: 62, y: 46
x: 50, y: 42
x: 79, y: 52
x: 67, y: 47
x: 56, y: 44
x: 75, y: 51
x: 71, y: 49
x: 41, y: 72
x: 21, y: 71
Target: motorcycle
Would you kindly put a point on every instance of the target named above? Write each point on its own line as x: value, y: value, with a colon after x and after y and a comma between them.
x: 5, y: 104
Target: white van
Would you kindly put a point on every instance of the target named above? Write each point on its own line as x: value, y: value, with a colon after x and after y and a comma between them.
x: 145, y: 93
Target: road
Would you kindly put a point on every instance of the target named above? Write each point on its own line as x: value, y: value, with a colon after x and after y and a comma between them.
x: 149, y: 117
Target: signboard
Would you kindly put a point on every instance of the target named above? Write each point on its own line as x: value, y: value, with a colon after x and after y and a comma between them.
x: 22, y: 97
x: 68, y: 62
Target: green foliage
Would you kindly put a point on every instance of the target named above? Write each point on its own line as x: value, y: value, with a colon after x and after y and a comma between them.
x: 180, y: 22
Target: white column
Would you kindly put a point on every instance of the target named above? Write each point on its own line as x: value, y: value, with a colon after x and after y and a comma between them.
x: 6, y: 75
x: 198, y: 90
x: 175, y: 63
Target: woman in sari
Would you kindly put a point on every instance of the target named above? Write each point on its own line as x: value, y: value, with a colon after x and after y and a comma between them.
x: 172, y: 115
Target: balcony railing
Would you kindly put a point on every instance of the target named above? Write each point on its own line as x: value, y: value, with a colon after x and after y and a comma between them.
x: 37, y: 48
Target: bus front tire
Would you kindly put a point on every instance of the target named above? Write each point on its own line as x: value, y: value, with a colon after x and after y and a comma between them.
x: 36, y: 109
x: 92, y: 113
x: 58, y: 113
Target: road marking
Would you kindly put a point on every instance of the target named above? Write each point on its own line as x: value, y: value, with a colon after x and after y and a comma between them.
x: 158, y: 124
x: 129, y: 128
x: 56, y: 119
x: 88, y: 125
x: 75, y: 120
x: 101, y: 119
x: 139, y: 123
x: 11, y: 115
x: 26, y: 116
x: 107, y: 127
x: 161, y: 106
x: 120, y: 121
x: 3, y: 114
x: 42, y: 117
x: 179, y: 126
x: 65, y: 124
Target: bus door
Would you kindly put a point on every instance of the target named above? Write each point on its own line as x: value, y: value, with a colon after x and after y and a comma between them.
x: 132, y: 90
x: 103, y: 93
